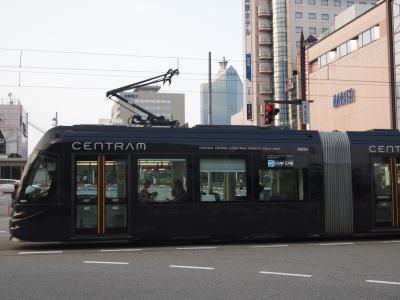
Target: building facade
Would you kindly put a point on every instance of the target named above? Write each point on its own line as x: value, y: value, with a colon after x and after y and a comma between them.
x: 272, y: 31
x: 349, y: 75
x: 13, y: 138
x: 226, y: 94
x: 169, y: 105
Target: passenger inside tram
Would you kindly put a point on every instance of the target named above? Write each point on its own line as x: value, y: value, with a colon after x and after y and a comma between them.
x: 144, y: 194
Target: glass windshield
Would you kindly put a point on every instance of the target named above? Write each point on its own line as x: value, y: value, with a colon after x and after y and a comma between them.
x: 41, y: 183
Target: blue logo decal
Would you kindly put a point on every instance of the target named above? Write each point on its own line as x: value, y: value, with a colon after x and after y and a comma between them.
x: 271, y: 163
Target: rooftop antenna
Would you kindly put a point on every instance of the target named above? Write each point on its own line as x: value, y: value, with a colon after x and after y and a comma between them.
x: 55, y: 120
x: 10, y: 95
x: 152, y: 119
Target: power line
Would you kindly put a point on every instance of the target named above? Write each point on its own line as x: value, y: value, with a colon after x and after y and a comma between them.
x: 138, y: 55
x: 172, y: 91
x: 354, y: 82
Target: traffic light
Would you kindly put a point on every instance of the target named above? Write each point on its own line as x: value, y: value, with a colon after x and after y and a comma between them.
x: 270, y: 113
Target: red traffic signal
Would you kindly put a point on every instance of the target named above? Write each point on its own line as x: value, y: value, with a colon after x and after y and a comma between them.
x: 268, y: 108
x: 270, y: 113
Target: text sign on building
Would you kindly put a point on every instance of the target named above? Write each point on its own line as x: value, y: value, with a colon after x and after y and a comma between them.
x: 249, y: 111
x: 248, y: 66
x: 247, y: 40
x: 247, y: 17
x: 2, y: 144
x: 306, y: 112
x: 343, y: 98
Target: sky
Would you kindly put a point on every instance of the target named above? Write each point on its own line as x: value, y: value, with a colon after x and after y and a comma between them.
x: 63, y: 56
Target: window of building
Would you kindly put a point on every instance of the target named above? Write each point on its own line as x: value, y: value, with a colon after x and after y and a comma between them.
x: 368, y: 36
x: 311, y: 2
x: 375, y: 33
x: 350, y: 3
x: 351, y: 45
x: 322, y: 60
x: 338, y: 3
x: 162, y: 180
x: 324, y: 29
x: 365, y: 38
x: 281, y: 180
x: 363, y: 3
x: 299, y: 1
x: 312, y: 30
x: 324, y: 2
x: 223, y: 179
x: 312, y: 16
x: 299, y: 29
x: 342, y: 50
x: 298, y: 14
x: 298, y: 44
x: 325, y: 17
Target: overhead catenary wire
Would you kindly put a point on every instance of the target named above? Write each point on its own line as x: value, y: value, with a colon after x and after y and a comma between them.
x: 88, y: 53
x: 315, y: 81
x: 373, y: 98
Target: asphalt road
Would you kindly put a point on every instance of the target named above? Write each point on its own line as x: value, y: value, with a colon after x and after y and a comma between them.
x: 361, y: 269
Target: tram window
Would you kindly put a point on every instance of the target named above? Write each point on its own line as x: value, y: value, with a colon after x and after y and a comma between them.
x: 162, y: 180
x: 223, y: 180
x: 42, y: 184
x: 115, y: 178
x: 281, y: 180
x: 383, y: 192
x: 86, y: 179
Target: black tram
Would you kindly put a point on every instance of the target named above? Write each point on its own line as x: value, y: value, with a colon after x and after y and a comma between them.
x: 96, y: 182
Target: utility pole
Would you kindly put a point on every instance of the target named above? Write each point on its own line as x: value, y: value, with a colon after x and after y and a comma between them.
x: 303, y: 95
x: 209, y: 90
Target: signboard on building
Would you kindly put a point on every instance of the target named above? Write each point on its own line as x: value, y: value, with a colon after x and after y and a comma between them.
x: 248, y: 84
x: 346, y: 97
x: 2, y: 144
x: 249, y: 111
x: 306, y: 112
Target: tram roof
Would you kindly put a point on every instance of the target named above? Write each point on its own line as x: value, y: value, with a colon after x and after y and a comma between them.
x: 203, y: 133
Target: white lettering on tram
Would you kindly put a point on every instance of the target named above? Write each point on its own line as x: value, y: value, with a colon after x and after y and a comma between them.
x: 108, y: 146
x: 384, y: 149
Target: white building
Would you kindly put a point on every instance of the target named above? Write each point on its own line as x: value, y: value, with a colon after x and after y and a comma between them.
x: 169, y: 105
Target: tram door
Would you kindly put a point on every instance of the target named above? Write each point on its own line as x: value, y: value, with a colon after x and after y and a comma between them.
x: 387, y: 191
x: 100, y: 195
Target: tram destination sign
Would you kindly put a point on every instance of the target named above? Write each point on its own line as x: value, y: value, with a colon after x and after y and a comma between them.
x: 109, y: 146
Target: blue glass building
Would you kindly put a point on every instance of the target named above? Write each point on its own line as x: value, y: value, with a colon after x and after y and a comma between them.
x: 227, y: 96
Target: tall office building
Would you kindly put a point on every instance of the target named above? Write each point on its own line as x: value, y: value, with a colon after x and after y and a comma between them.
x: 169, y: 105
x: 13, y: 138
x: 226, y: 94
x: 272, y: 31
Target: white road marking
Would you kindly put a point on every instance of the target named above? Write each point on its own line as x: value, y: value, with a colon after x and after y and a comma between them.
x: 334, y: 244
x: 105, y: 262
x: 39, y: 252
x: 191, y: 267
x: 120, y: 250
x: 285, y: 274
x: 196, y: 248
x: 268, y: 246
x: 384, y: 282
x: 3, y: 231
x: 389, y: 242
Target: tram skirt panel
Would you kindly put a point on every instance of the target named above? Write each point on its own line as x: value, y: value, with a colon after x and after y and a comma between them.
x: 338, y: 183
